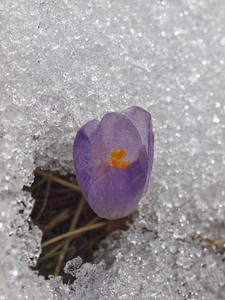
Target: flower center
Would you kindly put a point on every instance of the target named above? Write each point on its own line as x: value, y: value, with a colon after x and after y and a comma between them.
x: 116, y: 158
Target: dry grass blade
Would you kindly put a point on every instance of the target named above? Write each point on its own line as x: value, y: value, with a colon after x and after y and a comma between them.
x: 74, y: 233
x: 33, y: 188
x: 54, y: 254
x: 45, y: 201
x: 53, y: 250
x: 93, y: 221
x: 214, y: 242
x: 64, y: 215
x: 59, y: 246
x: 67, y: 241
x: 57, y: 179
x: 77, y: 214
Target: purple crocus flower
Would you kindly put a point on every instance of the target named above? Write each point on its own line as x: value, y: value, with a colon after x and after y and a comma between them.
x: 111, y: 185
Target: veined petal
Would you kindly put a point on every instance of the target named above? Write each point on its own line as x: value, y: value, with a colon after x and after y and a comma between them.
x: 115, y: 131
x: 90, y: 127
x: 143, y: 122
x: 118, y: 192
x: 100, y: 168
x: 150, y: 158
x: 82, y: 156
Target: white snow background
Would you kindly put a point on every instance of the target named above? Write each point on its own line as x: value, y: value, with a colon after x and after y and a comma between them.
x: 65, y: 62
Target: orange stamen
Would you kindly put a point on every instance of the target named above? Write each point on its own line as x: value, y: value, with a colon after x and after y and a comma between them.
x: 116, y: 158
x: 124, y: 164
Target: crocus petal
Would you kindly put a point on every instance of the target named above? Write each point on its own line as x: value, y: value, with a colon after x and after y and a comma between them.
x: 114, y: 192
x: 100, y: 168
x: 115, y: 131
x: 142, y: 121
x: 118, y: 192
x: 82, y: 156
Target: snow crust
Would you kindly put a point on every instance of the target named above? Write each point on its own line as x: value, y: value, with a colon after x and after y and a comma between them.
x: 64, y: 63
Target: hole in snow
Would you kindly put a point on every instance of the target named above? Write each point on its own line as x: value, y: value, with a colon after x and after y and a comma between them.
x: 69, y: 226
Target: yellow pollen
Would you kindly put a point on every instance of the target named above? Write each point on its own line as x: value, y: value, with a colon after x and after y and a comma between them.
x: 116, y: 158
